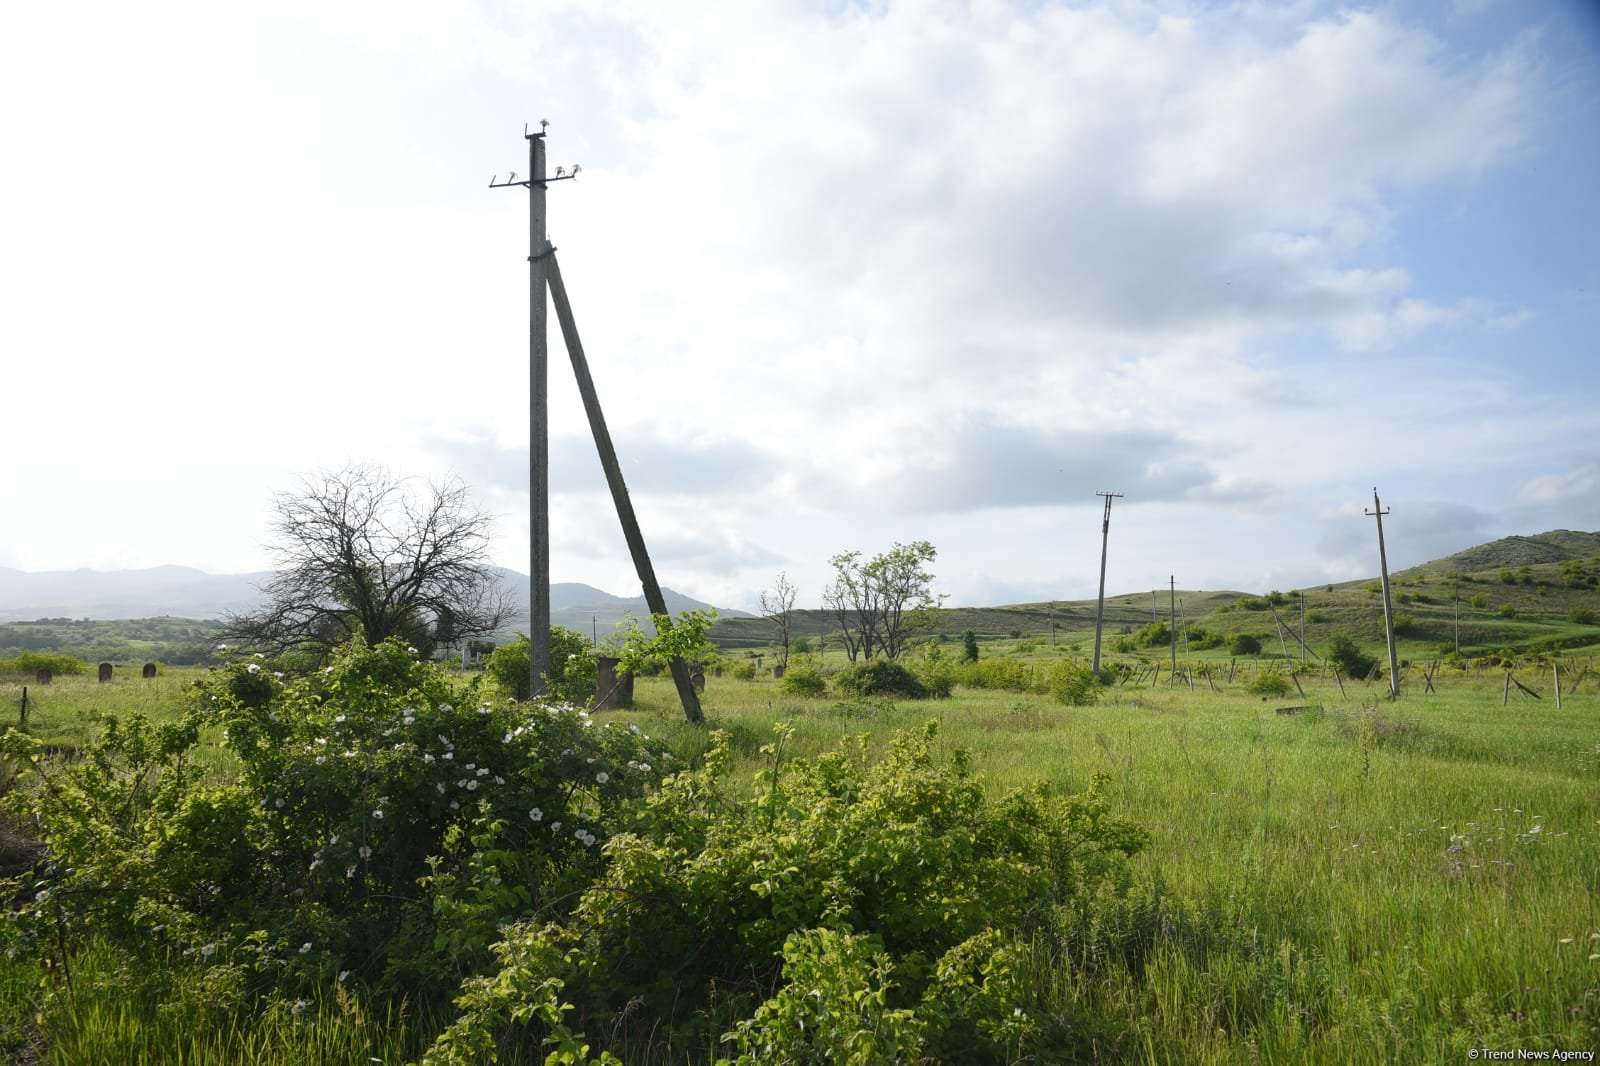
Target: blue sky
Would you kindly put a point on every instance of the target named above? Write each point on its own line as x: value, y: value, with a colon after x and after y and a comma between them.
x: 847, y: 275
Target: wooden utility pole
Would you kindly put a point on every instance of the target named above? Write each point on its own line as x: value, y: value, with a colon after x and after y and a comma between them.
x: 1302, y: 625
x: 1388, y: 608
x: 1100, y: 604
x: 1172, y: 603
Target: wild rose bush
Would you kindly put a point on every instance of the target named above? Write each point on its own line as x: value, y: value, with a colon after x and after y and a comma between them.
x: 380, y: 822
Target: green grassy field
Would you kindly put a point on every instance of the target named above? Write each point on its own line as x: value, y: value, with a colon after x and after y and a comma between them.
x: 1357, y: 881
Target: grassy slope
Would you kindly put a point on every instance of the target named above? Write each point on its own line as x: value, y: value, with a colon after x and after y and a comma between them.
x: 1427, y: 593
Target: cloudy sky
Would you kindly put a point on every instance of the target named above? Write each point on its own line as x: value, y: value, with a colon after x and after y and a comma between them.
x: 847, y: 274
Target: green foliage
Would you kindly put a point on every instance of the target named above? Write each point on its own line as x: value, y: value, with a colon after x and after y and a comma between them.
x: 744, y: 670
x: 1479, y: 600
x: 1155, y: 634
x: 1271, y: 682
x: 1347, y: 655
x: 969, y: 646
x: 573, y: 668
x: 29, y: 663
x: 1508, y: 610
x: 880, y: 677
x: 683, y: 638
x: 849, y: 911
x: 1583, y: 616
x: 803, y: 677
x: 373, y: 825
x: 1404, y: 622
x: 1000, y: 672
x: 1073, y: 683
x: 1244, y: 644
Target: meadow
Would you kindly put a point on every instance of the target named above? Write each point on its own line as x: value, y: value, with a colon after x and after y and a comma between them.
x: 1358, y: 880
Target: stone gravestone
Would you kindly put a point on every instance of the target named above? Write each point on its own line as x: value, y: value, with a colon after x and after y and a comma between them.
x: 105, y: 671
x: 149, y: 670
x: 777, y: 672
x: 697, y: 677
x: 44, y: 676
x: 612, y: 690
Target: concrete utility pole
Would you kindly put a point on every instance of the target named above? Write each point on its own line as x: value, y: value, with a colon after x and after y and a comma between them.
x: 538, y: 409
x: 1100, y: 604
x: 1388, y: 608
x: 1302, y: 625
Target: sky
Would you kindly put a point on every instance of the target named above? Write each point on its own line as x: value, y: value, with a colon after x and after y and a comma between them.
x: 847, y: 275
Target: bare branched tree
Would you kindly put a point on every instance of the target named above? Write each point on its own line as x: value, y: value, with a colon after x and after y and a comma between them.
x: 778, y: 606
x: 360, y: 553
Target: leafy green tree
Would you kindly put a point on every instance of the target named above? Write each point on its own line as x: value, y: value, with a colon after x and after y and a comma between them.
x: 573, y: 668
x: 879, y: 602
x: 969, y: 646
x: 1245, y: 644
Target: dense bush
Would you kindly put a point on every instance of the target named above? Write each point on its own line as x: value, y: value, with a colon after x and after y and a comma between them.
x: 1073, y: 683
x: 880, y: 677
x: 31, y: 662
x: 1269, y: 683
x: 573, y: 674
x: 378, y: 825
x: 1244, y: 644
x: 803, y: 677
x: 848, y: 911
x: 1347, y: 655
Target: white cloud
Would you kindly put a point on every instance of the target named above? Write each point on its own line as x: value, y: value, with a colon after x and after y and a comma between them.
x: 1582, y: 483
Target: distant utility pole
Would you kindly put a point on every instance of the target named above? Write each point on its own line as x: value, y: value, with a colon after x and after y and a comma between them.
x: 1302, y: 625
x: 1172, y: 596
x: 1100, y: 605
x: 545, y: 273
x: 1458, y: 613
x: 1388, y: 608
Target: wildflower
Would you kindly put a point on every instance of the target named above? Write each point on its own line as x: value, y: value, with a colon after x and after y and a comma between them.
x: 645, y: 767
x: 299, y: 1007
x: 555, y: 827
x: 450, y: 755
x: 349, y: 872
x: 364, y: 851
x: 327, y: 669
x: 378, y: 815
x: 278, y: 674
x: 253, y: 668
x: 454, y: 806
x: 580, y: 834
x: 536, y: 814
x: 260, y: 656
x: 472, y: 786
x: 634, y: 728
x: 342, y: 975
x: 440, y: 787
x: 483, y: 771
x: 499, y: 780
x: 446, y: 708
x: 209, y: 950
x: 222, y: 647
x: 314, y: 864
x: 338, y: 718
x: 305, y: 947
x: 413, y: 651
x: 334, y: 839
x: 278, y: 802
x: 602, y: 777
x: 427, y: 758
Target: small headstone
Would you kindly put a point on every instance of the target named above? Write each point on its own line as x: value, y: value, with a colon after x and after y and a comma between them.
x: 777, y: 672
x: 758, y: 662
x: 149, y: 670
x: 43, y: 676
x: 716, y: 671
x: 697, y: 677
x: 105, y: 671
x: 612, y: 690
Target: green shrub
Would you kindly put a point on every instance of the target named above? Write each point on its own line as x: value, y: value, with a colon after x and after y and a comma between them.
x: 1478, y: 600
x: 1269, y: 683
x: 936, y: 672
x: 1244, y: 644
x: 1508, y: 610
x: 574, y: 671
x: 1404, y: 621
x: 848, y: 911
x: 742, y: 671
x: 880, y: 677
x: 1073, y: 683
x: 378, y: 824
x: 1582, y: 616
x: 1347, y: 655
x: 31, y: 662
x: 1002, y: 672
x: 803, y: 677
x: 1156, y: 634
x: 969, y: 646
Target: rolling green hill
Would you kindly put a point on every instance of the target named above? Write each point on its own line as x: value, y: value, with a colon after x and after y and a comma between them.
x: 1517, y: 593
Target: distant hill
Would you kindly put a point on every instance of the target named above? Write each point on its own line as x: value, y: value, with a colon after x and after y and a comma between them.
x: 182, y: 592
x: 1556, y: 546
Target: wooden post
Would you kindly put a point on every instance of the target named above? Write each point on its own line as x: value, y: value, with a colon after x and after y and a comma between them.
x: 1100, y: 604
x: 1557, y: 669
x: 1505, y: 697
x: 1297, y: 687
x: 619, y: 488
x: 22, y: 721
x: 1339, y: 679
